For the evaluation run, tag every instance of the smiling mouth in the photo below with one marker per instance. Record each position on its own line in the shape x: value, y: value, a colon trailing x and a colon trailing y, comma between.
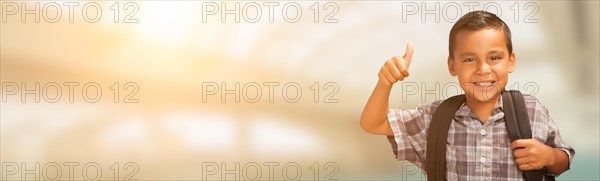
x: 484, y: 83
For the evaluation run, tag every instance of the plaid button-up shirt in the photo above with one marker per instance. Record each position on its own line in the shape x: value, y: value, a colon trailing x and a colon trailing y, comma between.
x: 475, y: 150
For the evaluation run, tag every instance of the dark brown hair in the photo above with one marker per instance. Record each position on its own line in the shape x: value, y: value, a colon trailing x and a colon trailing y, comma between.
x: 478, y: 20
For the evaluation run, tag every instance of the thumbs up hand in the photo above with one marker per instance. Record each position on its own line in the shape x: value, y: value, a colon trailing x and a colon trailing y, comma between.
x: 396, y: 68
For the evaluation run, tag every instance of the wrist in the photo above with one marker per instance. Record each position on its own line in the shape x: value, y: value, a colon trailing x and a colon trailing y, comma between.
x: 552, y: 158
x: 383, y: 83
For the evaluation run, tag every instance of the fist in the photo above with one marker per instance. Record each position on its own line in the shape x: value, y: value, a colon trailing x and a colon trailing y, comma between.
x: 396, y: 68
x: 530, y: 154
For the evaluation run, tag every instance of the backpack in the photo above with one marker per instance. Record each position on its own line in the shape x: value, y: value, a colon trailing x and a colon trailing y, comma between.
x: 515, y: 118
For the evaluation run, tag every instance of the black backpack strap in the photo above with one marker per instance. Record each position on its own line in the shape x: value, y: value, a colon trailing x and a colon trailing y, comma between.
x: 517, y: 125
x: 437, y: 136
x: 510, y: 116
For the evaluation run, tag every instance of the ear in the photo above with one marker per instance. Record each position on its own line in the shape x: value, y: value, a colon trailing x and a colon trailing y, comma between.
x: 512, y: 62
x: 451, y: 66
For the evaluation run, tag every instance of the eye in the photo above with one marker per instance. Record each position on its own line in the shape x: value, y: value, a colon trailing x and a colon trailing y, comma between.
x: 496, y: 58
x: 469, y: 60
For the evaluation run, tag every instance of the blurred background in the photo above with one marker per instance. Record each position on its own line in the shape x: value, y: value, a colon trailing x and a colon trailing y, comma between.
x: 147, y: 89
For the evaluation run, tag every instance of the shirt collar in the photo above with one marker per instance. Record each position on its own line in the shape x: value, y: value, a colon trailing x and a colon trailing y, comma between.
x: 465, y: 110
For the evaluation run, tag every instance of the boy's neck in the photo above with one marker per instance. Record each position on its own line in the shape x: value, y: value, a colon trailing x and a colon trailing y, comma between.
x: 483, y: 109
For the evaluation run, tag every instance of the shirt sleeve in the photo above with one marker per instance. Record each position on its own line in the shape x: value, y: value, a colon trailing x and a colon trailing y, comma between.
x: 546, y: 131
x: 555, y: 140
x: 409, y: 141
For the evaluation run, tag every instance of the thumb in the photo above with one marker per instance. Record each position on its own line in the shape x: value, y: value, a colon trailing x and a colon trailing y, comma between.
x: 409, y: 53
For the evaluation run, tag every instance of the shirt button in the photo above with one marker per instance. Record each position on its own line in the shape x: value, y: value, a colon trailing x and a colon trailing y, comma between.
x: 482, y: 159
x: 482, y: 132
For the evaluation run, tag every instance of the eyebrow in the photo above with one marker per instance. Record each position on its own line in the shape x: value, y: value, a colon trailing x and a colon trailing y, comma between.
x: 498, y: 51
x: 466, y: 54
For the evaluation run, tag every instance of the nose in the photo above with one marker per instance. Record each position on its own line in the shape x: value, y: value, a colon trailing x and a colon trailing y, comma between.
x: 483, y: 68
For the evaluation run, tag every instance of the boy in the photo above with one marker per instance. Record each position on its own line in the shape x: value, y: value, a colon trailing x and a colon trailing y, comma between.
x: 478, y: 146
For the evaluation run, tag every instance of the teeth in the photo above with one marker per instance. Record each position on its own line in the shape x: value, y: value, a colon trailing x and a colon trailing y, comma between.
x: 483, y: 83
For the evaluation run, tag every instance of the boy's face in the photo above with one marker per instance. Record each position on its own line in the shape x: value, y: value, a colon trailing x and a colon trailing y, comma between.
x: 482, y: 63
